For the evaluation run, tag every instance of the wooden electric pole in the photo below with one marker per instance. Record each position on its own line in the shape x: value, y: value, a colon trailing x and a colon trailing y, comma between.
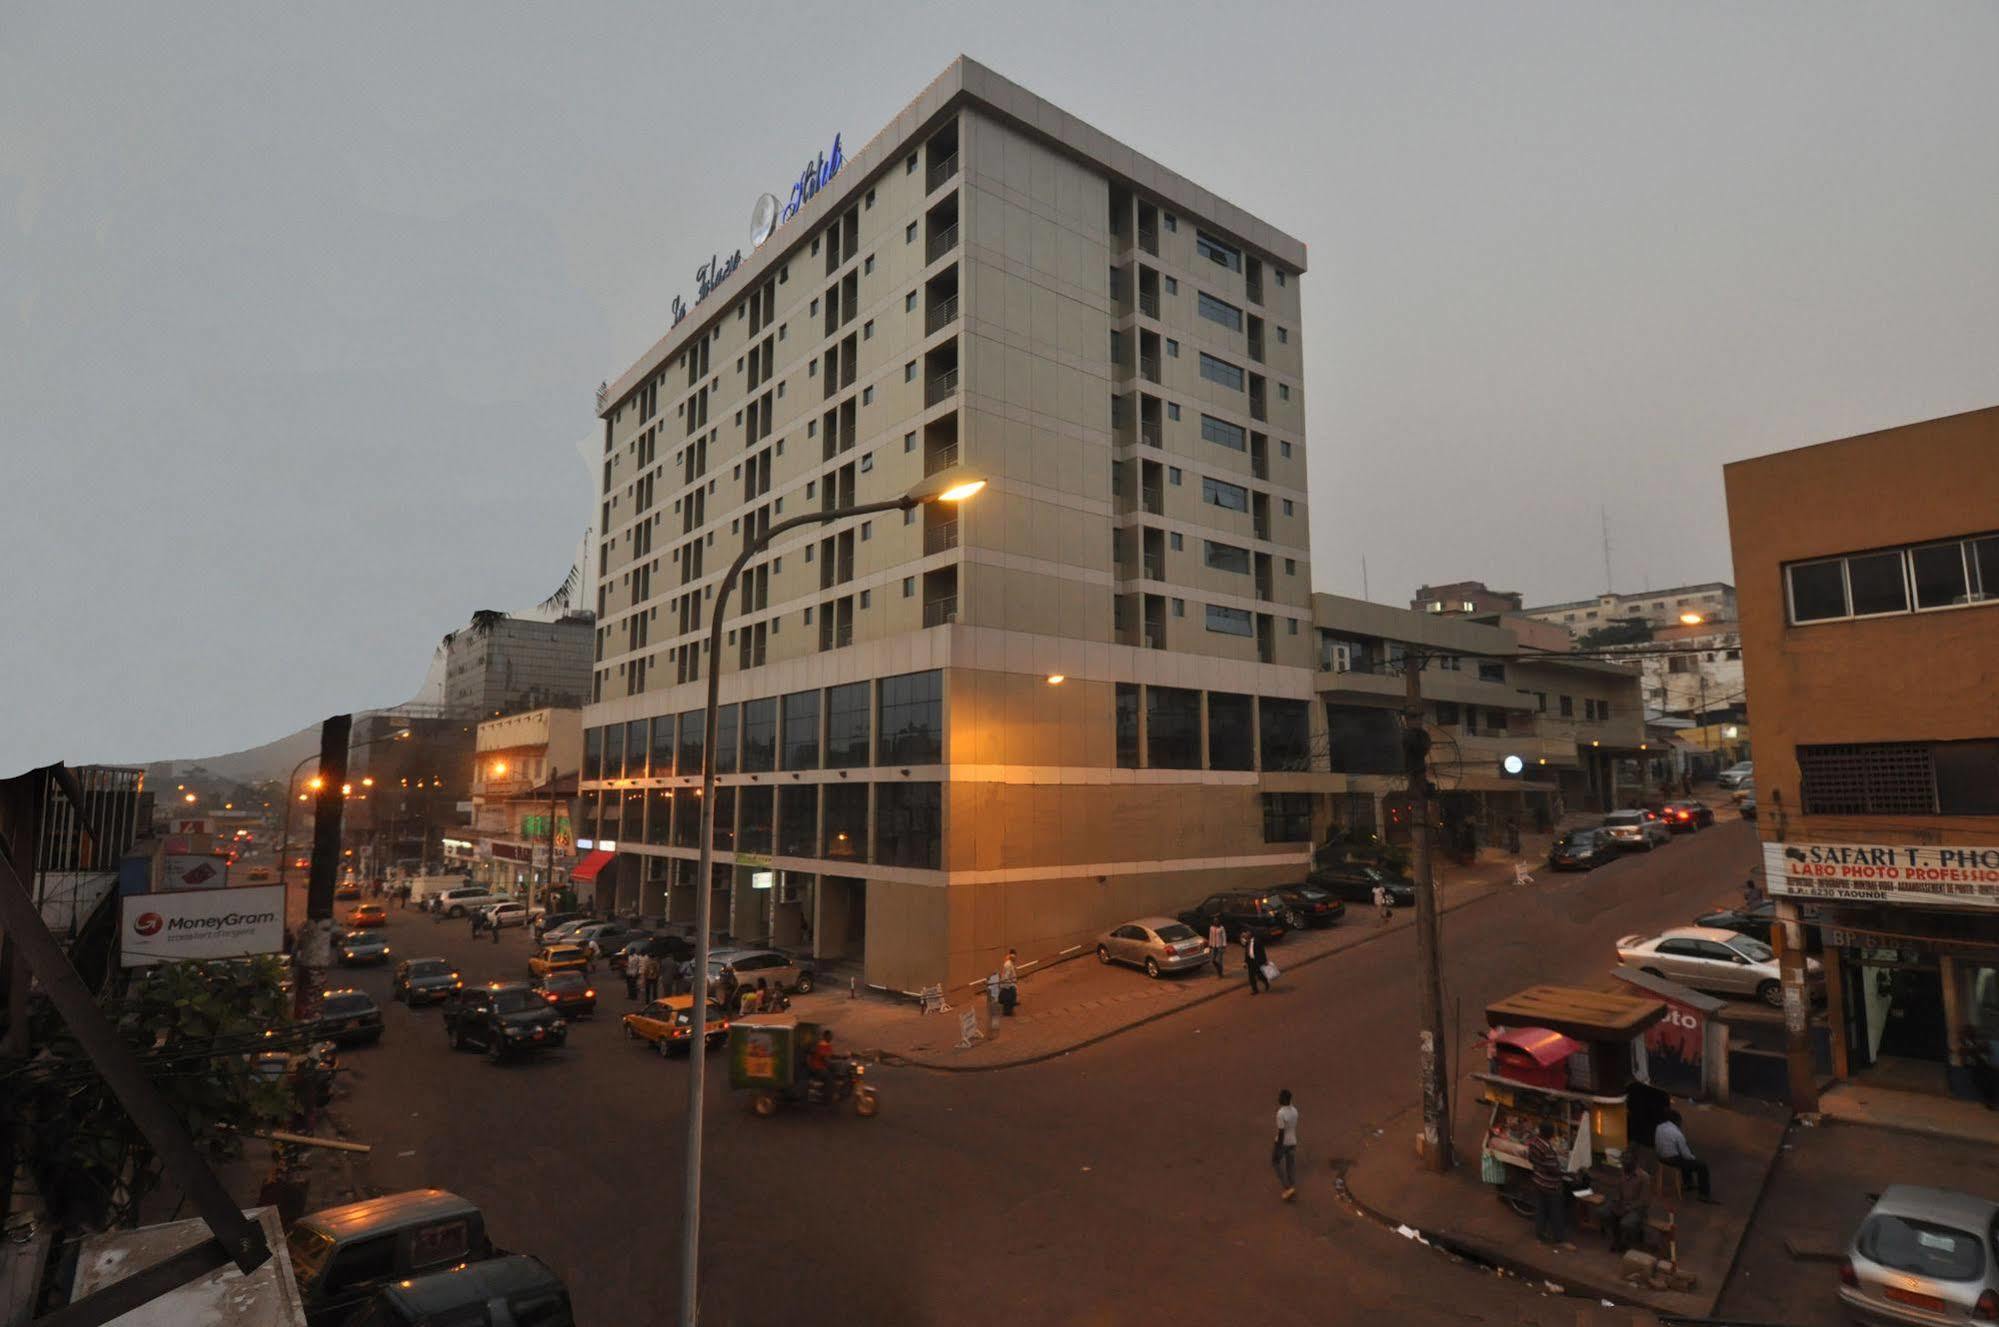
x: 1434, y: 1144
x: 313, y: 950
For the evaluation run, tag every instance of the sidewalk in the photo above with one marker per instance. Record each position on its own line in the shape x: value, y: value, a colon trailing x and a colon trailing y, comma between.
x: 1074, y: 1003
x: 1910, y: 1112
x: 1466, y: 1215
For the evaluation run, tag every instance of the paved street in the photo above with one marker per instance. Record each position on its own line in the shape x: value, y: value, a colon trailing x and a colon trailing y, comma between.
x: 1127, y: 1182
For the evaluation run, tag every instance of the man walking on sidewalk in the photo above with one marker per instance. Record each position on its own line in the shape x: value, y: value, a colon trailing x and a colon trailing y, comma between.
x: 1384, y: 906
x: 1218, y: 941
x: 1284, y: 1151
x: 632, y: 977
x: 1551, y: 1194
x: 1252, y: 959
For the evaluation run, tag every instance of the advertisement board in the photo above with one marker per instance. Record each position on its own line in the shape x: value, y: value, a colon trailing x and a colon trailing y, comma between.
x: 201, y: 924
x: 1922, y: 876
x: 180, y: 871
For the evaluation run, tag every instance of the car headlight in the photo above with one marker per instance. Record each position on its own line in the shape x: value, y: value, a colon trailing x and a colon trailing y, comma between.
x: 560, y: 1024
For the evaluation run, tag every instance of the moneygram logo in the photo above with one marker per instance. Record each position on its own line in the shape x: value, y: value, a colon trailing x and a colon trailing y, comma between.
x: 148, y: 923
x: 228, y: 921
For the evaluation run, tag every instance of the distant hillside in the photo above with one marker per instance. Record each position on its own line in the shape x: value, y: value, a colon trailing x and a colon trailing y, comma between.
x: 272, y: 760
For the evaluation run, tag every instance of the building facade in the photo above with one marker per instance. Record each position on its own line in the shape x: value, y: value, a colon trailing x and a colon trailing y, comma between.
x: 501, y: 664
x: 1464, y: 599
x: 989, y: 288
x: 1869, y: 578
x: 1653, y: 608
x: 525, y: 769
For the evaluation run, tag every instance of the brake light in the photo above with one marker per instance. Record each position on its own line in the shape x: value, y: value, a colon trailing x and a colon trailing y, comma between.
x: 590, y: 994
x: 1847, y: 1276
x: 1987, y: 1307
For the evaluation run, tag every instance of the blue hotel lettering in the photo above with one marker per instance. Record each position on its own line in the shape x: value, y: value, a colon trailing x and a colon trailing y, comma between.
x: 816, y: 176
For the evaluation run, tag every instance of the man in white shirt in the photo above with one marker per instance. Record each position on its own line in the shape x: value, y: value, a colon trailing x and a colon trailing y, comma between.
x: 1284, y: 1151
x: 1218, y: 942
x: 1670, y: 1142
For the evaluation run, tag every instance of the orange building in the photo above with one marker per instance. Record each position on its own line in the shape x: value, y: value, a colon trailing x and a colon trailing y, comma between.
x: 1868, y: 578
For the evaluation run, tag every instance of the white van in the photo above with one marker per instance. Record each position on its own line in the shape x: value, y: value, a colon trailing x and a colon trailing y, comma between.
x: 425, y: 889
x: 465, y: 898
x: 510, y: 913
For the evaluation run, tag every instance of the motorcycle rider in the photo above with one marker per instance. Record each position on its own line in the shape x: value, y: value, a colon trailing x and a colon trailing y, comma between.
x: 819, y: 1061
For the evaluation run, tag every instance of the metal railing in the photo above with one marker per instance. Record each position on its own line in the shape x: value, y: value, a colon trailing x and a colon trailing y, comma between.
x: 940, y: 612
x: 1256, y: 348
x: 941, y: 536
x: 943, y: 313
x: 943, y: 241
x: 1148, y: 239
x: 1149, y: 434
x: 943, y: 170
x: 1148, y: 367
x: 940, y: 458
x: 941, y: 386
x: 1148, y: 304
x: 1259, y: 408
x: 1153, y: 500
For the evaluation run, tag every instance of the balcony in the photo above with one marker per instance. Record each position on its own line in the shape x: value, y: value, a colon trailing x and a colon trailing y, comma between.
x: 943, y: 170
x: 940, y: 387
x: 943, y: 241
x: 940, y: 537
x: 940, y: 612
x: 1148, y: 433
x: 1152, y: 498
x: 1155, y: 636
x: 1155, y: 567
x: 1256, y: 348
x: 940, y: 458
x: 1148, y: 239
x: 1259, y: 408
x: 1148, y: 303
x: 942, y: 314
x: 1148, y: 367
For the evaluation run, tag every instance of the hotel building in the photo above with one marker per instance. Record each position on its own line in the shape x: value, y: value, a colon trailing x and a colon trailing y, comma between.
x: 988, y: 288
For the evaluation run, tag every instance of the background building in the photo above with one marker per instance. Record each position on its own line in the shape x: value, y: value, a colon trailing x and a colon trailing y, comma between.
x: 513, y: 798
x: 1652, y: 608
x: 501, y: 664
x: 989, y: 285
x: 1869, y: 573
x: 1464, y: 599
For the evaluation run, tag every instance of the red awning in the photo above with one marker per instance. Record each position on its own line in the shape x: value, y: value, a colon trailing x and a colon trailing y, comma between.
x: 585, y: 871
x: 1543, y: 1045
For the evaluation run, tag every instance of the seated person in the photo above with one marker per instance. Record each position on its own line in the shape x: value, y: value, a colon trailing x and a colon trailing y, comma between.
x: 1627, y: 1199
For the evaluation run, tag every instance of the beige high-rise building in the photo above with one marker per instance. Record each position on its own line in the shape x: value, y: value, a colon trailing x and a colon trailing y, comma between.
x: 989, y: 288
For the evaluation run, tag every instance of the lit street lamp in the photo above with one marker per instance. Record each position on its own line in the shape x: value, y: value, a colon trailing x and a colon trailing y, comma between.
x: 943, y: 489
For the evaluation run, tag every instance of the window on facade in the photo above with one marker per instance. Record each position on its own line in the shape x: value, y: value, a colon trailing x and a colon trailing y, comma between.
x: 1219, y: 311
x: 801, y: 730
x: 662, y: 746
x: 1232, y: 496
x: 798, y: 820
x: 1283, y: 730
x: 910, y: 719
x: 754, y: 818
x: 1126, y: 725
x: 1900, y: 778
x: 1491, y: 672
x: 1173, y: 410
x: 726, y: 722
x: 593, y: 753
x: 1173, y: 541
x: 1287, y: 817
x: 1172, y: 728
x: 759, y: 735
x: 614, y: 751
x: 909, y: 824
x: 1231, y: 436
x: 1218, y: 252
x: 1221, y: 371
x: 1938, y: 575
x: 847, y: 728
x: 1225, y: 557
x: 843, y: 832
x: 1568, y: 707
x: 1172, y: 286
x: 1447, y: 714
x: 1231, y: 731
x: 693, y: 730
x: 1230, y: 621
x: 1173, y: 475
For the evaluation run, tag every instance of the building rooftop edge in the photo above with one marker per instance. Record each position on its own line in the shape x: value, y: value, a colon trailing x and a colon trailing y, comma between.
x: 1855, y: 438
x: 1626, y: 594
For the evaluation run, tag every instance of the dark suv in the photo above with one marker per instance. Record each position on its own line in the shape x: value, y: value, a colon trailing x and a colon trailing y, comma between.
x: 1256, y: 910
x: 503, y: 1018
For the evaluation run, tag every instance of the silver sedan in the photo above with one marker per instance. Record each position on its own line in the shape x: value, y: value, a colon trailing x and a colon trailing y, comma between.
x: 1156, y: 944
x: 1922, y: 1255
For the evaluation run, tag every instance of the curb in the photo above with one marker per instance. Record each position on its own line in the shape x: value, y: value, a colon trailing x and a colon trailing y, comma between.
x: 1040, y: 1057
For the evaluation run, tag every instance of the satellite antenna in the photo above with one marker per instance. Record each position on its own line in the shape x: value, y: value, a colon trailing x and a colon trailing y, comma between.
x: 763, y: 220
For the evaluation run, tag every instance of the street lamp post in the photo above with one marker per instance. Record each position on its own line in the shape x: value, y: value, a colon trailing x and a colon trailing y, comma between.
x: 285, y: 840
x: 943, y: 490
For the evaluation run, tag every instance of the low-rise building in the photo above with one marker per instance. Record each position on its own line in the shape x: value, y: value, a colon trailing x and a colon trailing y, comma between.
x: 1464, y: 599
x: 1869, y: 576
x: 1653, y: 608
x: 525, y: 771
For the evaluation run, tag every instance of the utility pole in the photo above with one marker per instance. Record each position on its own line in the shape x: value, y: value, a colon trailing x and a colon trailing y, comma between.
x: 1434, y: 1144
x: 548, y: 881
x: 313, y: 951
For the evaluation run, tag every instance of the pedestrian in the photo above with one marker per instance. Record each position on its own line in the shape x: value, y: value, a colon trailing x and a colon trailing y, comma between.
x: 493, y: 925
x: 1629, y: 1198
x: 478, y: 923
x: 1218, y: 942
x: 1253, y: 959
x: 1009, y: 976
x: 1384, y: 906
x: 1751, y: 892
x: 631, y: 977
x: 1284, y: 1151
x: 1976, y: 1056
x: 649, y: 975
x: 1551, y: 1188
x: 752, y: 999
x: 1669, y: 1140
x: 1513, y: 838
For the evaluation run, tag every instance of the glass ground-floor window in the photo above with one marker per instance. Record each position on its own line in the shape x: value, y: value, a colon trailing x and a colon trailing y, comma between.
x: 909, y: 824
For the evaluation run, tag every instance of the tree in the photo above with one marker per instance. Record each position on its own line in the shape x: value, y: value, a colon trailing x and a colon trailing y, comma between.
x: 1631, y: 631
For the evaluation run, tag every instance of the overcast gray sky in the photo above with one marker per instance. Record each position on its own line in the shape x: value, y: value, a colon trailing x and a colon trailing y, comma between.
x: 302, y: 307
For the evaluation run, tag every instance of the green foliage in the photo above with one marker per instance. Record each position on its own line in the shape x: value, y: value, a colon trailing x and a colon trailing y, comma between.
x: 1631, y: 631
x: 196, y: 1028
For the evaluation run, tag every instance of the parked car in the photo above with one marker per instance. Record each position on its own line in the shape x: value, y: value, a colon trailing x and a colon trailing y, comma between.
x: 568, y: 993
x: 1311, y: 905
x: 341, y: 1256
x: 512, y: 1291
x: 1581, y: 850
x: 1256, y: 910
x: 367, y: 914
x: 559, y: 958
x: 1355, y: 883
x: 425, y: 980
x: 1922, y: 1256
x: 348, y: 1017
x: 1747, y: 806
x: 609, y: 937
x: 1714, y: 960
x: 1688, y: 816
x: 464, y: 899
x: 1737, y: 775
x: 1157, y: 944
x: 562, y: 930
x: 502, y: 1018
x: 347, y: 891
x: 1753, y: 921
x: 357, y: 948
x: 509, y: 913
x: 781, y: 970
x: 1635, y: 830
x: 552, y: 920
x: 667, y: 1024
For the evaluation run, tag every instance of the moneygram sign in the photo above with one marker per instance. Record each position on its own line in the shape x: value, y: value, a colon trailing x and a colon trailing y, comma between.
x: 1966, y: 877
x: 202, y: 924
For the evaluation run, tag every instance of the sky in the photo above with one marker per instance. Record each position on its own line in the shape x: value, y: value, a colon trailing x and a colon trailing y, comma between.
x: 302, y: 308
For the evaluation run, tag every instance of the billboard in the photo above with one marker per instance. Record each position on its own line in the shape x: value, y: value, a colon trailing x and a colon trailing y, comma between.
x: 193, y: 871
x: 1878, y: 873
x: 201, y: 924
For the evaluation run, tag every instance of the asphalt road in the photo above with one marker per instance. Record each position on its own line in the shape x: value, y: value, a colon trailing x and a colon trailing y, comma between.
x: 1125, y: 1183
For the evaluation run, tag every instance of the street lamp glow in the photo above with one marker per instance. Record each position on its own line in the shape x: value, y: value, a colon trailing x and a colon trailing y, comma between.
x: 367, y: 780
x: 346, y: 790
x: 316, y: 782
x: 189, y: 799
x: 1691, y: 619
x: 499, y: 769
x: 960, y: 492
x: 1057, y: 679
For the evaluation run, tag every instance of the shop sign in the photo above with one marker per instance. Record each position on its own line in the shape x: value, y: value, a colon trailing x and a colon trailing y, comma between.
x: 201, y: 924
x: 193, y: 871
x: 1675, y: 1047
x: 1948, y: 877
x: 754, y: 859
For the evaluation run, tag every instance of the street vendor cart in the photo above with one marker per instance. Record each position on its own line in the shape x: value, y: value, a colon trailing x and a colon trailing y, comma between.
x: 768, y: 1058
x: 1565, y: 1056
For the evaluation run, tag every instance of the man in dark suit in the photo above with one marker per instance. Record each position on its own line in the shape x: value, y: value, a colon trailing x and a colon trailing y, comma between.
x: 1253, y: 959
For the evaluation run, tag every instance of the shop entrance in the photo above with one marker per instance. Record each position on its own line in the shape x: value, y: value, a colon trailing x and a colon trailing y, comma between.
x: 1898, y: 1028
x: 842, y: 931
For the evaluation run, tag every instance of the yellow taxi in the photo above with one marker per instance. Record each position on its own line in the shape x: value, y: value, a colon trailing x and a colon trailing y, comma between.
x: 667, y: 1024
x: 559, y: 958
x: 368, y: 914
